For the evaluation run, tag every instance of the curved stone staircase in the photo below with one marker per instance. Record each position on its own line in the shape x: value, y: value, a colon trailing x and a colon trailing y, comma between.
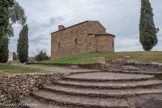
x: 93, y: 90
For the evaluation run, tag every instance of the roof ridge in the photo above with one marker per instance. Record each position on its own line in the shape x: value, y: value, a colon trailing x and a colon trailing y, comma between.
x: 74, y: 25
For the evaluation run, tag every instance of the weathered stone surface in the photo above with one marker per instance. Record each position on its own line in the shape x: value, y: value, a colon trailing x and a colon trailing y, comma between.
x: 101, y: 60
x: 137, y: 72
x: 157, y: 64
x: 136, y: 63
x: 107, y: 76
x: 102, y: 93
x: 3, y: 98
x: 146, y: 101
x: 83, y: 38
x: 94, y: 90
x: 14, y: 86
x: 74, y: 67
x: 109, y: 85
x: 1, y: 92
x: 81, y: 101
x: 131, y: 68
x: 33, y: 103
x: 137, y: 69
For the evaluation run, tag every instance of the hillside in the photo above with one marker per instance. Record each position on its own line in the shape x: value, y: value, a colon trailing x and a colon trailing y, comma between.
x: 91, y: 58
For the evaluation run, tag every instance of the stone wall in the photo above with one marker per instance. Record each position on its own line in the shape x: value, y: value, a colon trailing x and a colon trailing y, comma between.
x: 140, y: 63
x: 105, y: 43
x: 13, y: 87
x: 80, y: 39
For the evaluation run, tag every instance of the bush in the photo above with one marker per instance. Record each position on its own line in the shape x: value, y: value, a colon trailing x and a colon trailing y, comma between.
x: 41, y: 56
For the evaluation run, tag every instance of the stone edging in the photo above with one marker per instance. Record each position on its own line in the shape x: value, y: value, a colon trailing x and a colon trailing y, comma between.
x: 137, y: 63
x: 135, y: 72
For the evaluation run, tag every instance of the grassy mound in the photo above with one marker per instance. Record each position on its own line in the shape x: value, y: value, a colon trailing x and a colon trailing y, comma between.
x: 151, y: 56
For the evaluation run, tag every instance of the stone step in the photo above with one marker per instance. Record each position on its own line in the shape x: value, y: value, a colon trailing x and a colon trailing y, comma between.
x: 102, y: 93
x: 107, y: 76
x: 31, y: 102
x: 77, y: 101
x: 136, y: 72
x: 109, y: 85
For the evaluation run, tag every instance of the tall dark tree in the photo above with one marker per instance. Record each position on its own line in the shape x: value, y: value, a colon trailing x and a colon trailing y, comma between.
x: 148, y: 37
x: 22, y: 47
x: 4, y: 18
x: 10, y: 12
x: 4, y: 51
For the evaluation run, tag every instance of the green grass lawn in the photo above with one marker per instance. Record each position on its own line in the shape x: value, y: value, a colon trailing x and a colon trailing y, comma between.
x: 150, y: 56
x: 10, y: 69
x: 86, y: 58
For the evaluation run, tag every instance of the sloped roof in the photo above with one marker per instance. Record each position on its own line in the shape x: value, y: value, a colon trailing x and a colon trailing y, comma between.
x: 77, y: 25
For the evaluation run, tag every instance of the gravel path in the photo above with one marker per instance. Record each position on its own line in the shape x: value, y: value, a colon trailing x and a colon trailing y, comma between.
x: 56, y: 69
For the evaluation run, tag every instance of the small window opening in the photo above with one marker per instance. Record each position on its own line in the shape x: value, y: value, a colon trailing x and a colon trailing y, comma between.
x: 59, y: 45
x: 76, y: 41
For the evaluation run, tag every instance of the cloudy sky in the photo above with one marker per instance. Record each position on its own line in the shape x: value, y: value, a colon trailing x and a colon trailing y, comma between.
x: 120, y: 17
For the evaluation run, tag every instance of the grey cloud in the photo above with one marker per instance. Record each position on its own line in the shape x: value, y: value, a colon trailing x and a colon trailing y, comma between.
x: 38, y: 39
x: 39, y: 34
x: 36, y: 28
x: 120, y: 17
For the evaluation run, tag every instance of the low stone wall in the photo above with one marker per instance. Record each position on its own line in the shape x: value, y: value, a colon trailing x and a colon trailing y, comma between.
x: 13, y: 87
x: 81, y: 65
x: 139, y: 63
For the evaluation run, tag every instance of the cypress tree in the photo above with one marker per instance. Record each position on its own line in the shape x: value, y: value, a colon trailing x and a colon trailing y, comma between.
x: 148, y: 37
x: 9, y: 11
x: 22, y: 47
x: 4, y: 19
x: 4, y: 51
x: 4, y: 24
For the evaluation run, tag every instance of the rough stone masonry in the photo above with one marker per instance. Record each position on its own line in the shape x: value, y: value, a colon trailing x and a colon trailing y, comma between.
x: 83, y: 38
x: 15, y: 86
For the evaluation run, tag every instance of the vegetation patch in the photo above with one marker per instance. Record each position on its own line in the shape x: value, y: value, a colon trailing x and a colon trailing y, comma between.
x: 10, y: 69
x: 109, y: 67
x: 40, y: 86
x: 158, y: 77
x: 146, y: 56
